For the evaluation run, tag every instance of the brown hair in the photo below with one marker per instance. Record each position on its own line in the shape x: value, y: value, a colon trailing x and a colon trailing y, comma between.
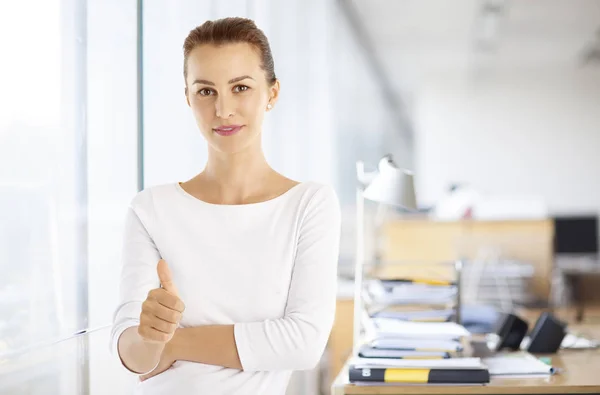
x: 229, y: 31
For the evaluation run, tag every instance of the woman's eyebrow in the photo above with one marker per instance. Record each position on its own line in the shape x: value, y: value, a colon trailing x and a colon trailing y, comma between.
x: 238, y: 79
x: 231, y: 81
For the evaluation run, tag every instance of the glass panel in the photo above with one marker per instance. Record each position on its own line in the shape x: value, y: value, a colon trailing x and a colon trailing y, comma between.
x: 47, y: 369
x: 41, y: 209
x: 68, y: 117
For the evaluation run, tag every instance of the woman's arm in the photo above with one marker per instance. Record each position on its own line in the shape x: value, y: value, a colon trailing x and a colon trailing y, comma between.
x: 138, y: 277
x: 297, y: 340
x: 136, y: 354
x: 209, y: 344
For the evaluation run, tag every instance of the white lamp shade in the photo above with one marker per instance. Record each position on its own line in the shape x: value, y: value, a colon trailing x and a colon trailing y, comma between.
x: 393, y: 186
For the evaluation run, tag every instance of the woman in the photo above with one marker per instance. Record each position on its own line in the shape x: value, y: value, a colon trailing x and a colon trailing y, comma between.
x: 228, y: 280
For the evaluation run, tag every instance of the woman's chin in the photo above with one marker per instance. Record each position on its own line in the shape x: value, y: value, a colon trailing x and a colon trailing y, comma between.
x: 233, y: 144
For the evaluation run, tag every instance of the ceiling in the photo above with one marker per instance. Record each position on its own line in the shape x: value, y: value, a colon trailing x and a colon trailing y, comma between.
x: 412, y: 37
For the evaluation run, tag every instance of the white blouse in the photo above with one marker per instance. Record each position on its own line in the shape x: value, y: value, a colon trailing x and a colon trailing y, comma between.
x: 268, y: 268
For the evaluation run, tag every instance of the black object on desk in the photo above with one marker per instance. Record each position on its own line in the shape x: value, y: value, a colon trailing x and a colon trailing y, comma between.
x: 547, y: 335
x: 511, y: 331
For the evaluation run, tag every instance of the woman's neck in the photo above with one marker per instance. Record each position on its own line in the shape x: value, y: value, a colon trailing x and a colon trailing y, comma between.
x: 236, y: 178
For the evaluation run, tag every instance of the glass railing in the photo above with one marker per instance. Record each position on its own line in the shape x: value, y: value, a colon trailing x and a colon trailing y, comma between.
x: 79, y: 364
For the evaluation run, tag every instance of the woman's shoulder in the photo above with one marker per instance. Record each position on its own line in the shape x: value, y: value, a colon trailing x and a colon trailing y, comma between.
x: 319, y: 188
x: 317, y: 194
x: 147, y: 197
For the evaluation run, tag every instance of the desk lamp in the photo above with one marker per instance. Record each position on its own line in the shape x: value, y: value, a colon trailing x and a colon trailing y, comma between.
x: 389, y: 185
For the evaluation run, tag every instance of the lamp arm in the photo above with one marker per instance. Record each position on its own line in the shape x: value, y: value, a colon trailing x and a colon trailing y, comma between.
x: 364, y: 177
x: 358, y: 270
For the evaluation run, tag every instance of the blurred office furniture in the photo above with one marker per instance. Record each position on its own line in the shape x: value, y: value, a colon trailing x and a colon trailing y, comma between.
x: 494, y: 280
x: 578, y: 374
x: 576, y: 274
x: 576, y: 235
x: 577, y: 260
x: 524, y: 246
x: 525, y: 241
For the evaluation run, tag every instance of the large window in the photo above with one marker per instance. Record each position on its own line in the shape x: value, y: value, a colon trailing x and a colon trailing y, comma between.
x: 68, y: 168
x: 43, y: 194
x: 42, y: 174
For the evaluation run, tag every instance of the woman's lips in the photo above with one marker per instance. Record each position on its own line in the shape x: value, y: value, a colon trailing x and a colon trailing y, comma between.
x: 228, y: 130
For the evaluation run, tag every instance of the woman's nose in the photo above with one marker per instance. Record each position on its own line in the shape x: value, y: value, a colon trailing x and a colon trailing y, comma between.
x: 224, y: 107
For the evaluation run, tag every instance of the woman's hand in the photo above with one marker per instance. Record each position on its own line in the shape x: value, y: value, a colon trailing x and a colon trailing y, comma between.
x: 162, y: 310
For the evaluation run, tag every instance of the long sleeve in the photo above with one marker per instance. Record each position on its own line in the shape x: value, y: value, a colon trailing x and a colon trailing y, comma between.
x: 138, y: 275
x: 297, y: 340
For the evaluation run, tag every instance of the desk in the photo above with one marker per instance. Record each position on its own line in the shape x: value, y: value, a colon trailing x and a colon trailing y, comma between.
x: 580, y: 374
x: 576, y: 273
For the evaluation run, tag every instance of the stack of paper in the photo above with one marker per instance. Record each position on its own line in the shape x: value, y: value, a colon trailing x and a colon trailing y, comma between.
x: 392, y: 343
x: 441, y: 371
x: 397, y: 339
x: 367, y: 351
x: 418, y: 315
x: 517, y: 365
x: 452, y: 363
x: 409, y: 346
x: 387, y: 327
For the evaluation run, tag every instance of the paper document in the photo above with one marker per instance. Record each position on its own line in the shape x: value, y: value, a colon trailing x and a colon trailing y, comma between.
x: 370, y: 352
x: 451, y: 363
x: 572, y: 341
x: 518, y: 364
x: 387, y: 327
x: 424, y: 315
x: 411, y: 293
x: 417, y: 344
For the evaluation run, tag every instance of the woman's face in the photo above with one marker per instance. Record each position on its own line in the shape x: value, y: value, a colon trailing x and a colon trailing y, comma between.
x: 228, y: 93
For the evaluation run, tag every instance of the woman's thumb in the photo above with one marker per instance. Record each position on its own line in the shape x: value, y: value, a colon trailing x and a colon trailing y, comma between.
x: 166, y: 277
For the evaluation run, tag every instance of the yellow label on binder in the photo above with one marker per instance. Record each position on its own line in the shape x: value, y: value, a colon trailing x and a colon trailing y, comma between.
x: 431, y: 282
x: 406, y: 375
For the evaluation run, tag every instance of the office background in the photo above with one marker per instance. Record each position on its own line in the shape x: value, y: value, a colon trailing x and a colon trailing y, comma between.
x: 500, y: 96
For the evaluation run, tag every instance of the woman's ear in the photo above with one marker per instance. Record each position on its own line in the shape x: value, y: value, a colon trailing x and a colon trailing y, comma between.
x: 273, y: 94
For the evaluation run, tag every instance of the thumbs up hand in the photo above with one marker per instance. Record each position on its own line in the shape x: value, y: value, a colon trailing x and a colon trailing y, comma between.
x: 162, y: 310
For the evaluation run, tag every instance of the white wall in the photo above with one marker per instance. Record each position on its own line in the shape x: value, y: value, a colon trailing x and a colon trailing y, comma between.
x: 112, y: 173
x: 507, y: 132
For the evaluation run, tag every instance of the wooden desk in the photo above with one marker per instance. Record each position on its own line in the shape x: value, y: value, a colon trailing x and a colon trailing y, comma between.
x: 580, y: 373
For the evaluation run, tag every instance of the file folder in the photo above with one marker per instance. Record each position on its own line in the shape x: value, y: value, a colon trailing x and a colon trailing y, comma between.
x: 419, y: 376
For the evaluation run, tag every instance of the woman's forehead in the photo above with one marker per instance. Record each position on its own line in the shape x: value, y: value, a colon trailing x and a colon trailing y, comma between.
x: 224, y: 62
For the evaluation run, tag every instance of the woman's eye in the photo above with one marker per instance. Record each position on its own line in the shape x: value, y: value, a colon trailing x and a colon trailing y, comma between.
x: 205, y: 92
x: 240, y: 88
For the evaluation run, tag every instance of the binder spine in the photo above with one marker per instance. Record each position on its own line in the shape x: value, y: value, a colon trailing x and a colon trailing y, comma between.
x: 366, y: 374
x: 424, y: 376
x: 458, y: 376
